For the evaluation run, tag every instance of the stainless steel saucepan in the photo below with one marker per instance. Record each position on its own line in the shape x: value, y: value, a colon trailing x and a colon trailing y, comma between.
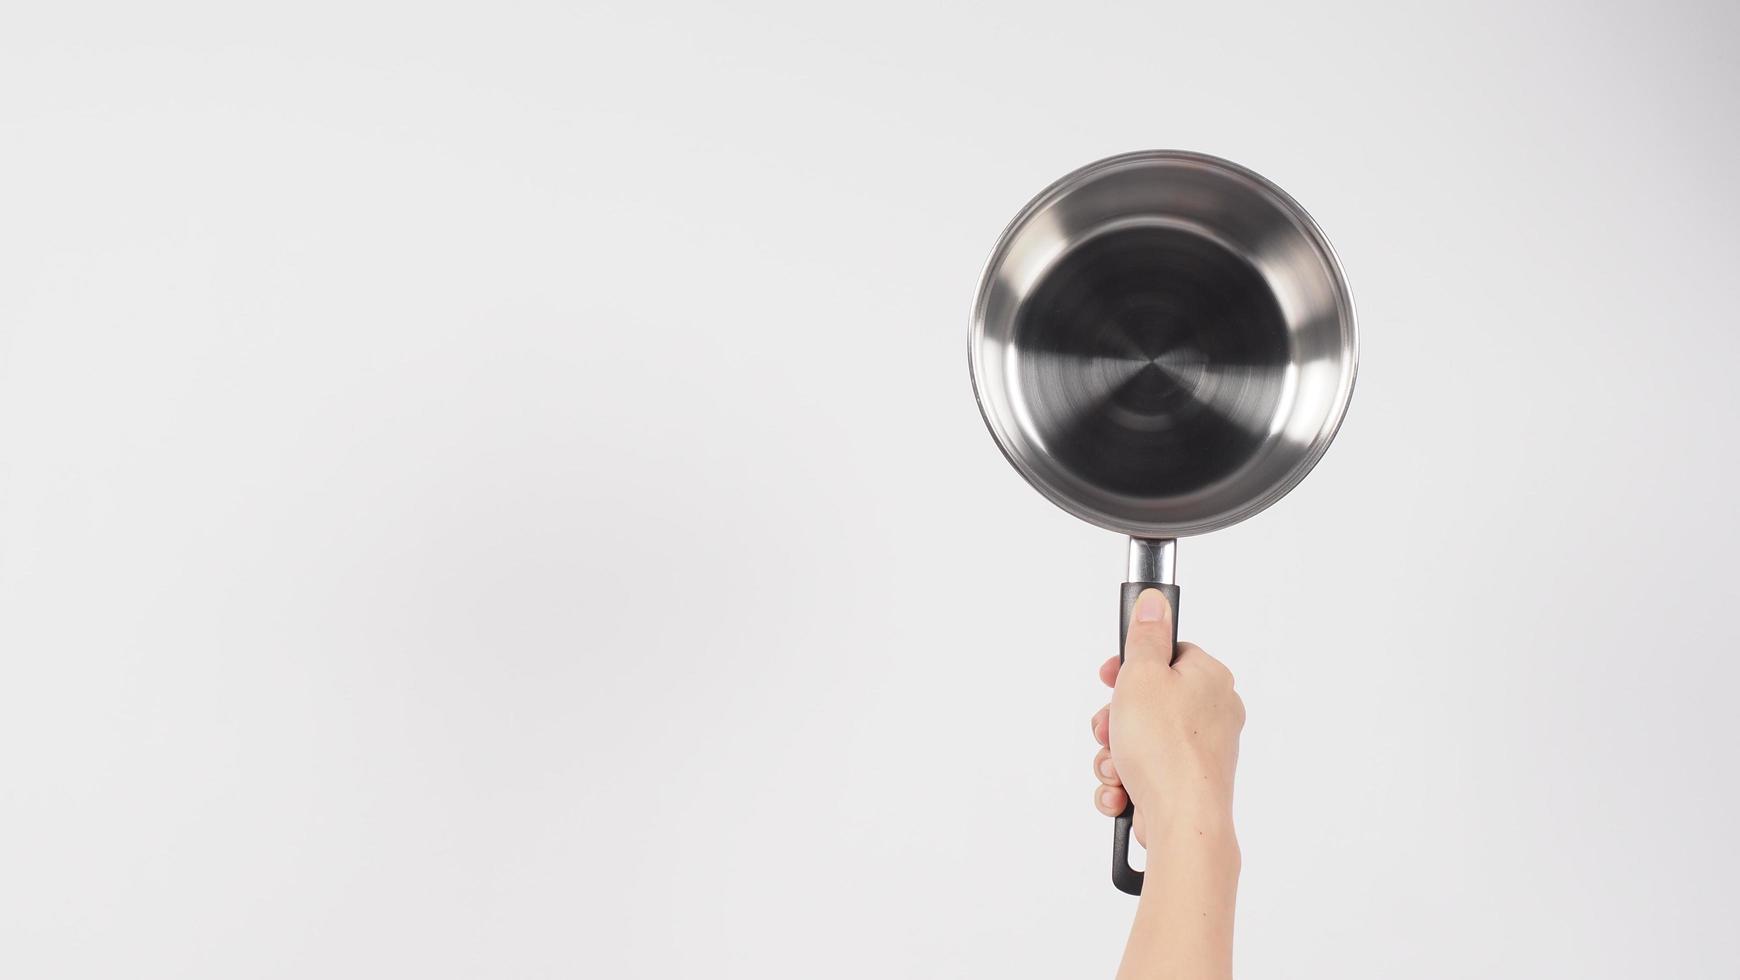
x: 1163, y: 344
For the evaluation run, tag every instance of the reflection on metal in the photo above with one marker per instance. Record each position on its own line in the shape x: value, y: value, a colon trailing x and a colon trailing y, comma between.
x: 1163, y: 343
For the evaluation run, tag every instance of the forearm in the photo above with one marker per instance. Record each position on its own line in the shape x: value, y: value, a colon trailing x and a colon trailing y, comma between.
x: 1184, y: 919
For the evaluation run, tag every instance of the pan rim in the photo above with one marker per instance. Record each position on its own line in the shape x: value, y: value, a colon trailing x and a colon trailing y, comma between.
x: 1346, y: 313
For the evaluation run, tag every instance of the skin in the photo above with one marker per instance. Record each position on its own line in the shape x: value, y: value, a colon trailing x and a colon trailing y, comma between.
x: 1170, y: 741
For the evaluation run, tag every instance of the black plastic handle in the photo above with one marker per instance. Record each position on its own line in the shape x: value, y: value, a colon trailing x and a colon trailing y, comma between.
x: 1128, y: 879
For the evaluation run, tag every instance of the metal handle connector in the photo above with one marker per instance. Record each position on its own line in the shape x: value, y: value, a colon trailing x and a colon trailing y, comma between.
x: 1153, y: 560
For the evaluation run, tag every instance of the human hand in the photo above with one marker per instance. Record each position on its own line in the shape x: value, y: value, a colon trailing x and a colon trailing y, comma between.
x: 1170, y: 737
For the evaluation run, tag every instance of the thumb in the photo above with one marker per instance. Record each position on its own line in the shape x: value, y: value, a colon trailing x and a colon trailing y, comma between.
x: 1150, y: 634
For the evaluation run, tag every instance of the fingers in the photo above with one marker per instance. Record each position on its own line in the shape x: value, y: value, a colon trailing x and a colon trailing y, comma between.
x: 1109, y: 672
x: 1110, y: 800
x: 1150, y: 634
x: 1104, y: 770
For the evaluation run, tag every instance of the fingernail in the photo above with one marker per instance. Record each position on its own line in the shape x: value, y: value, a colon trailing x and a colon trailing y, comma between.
x: 1148, y: 606
x: 1106, y: 767
x: 1106, y: 798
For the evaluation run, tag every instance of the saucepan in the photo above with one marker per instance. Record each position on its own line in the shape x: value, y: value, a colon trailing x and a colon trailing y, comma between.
x: 1163, y: 344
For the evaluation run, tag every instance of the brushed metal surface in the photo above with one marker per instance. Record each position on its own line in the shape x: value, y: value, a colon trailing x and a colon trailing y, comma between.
x: 1153, y: 560
x: 1163, y: 343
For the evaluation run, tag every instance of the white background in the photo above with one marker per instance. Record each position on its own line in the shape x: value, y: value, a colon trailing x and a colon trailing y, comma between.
x: 494, y: 490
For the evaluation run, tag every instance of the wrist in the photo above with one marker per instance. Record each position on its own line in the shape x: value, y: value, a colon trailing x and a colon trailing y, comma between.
x: 1207, y: 826
x: 1202, y: 839
x: 1192, y: 809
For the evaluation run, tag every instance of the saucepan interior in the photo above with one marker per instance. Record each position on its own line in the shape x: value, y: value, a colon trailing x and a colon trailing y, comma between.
x: 1163, y: 343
